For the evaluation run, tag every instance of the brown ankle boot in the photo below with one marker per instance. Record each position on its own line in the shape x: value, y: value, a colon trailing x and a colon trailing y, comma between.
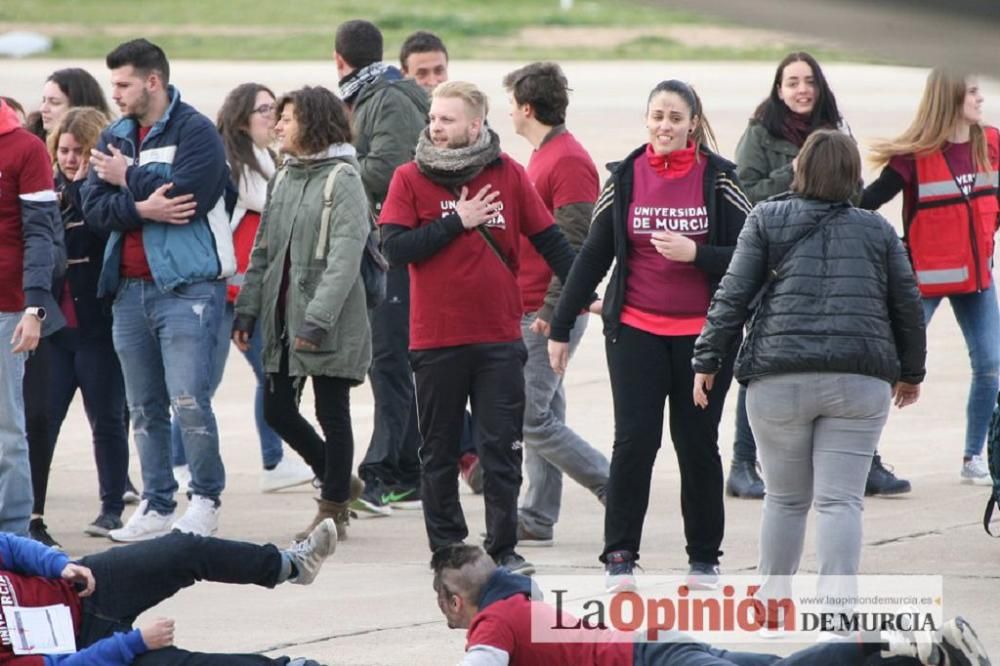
x: 357, y: 487
x: 339, y: 511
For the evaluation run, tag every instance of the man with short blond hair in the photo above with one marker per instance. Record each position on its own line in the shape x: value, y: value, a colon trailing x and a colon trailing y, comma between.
x: 455, y: 215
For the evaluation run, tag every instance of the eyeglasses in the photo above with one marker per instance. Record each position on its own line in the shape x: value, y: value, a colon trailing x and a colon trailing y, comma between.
x: 264, y: 109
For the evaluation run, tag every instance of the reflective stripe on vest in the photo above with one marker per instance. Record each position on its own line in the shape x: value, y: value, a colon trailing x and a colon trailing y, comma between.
x: 957, y: 217
x: 943, y: 276
x: 949, y: 188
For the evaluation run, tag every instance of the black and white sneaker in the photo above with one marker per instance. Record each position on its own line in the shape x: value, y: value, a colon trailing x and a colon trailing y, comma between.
x: 103, y: 524
x: 516, y: 564
x: 961, y: 644
x: 39, y: 532
x: 703, y: 576
x: 619, y: 572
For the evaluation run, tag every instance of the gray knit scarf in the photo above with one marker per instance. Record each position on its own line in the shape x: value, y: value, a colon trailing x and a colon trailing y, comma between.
x: 454, y: 167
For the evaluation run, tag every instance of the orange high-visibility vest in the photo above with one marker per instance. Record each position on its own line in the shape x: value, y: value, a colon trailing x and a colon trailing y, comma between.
x: 950, y: 237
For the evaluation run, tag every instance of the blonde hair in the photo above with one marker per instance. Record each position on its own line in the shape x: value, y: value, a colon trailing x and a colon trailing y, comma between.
x: 940, y: 111
x: 475, y: 99
x: 84, y: 123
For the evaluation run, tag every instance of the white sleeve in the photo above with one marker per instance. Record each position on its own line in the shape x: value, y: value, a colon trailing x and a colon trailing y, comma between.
x: 485, y: 655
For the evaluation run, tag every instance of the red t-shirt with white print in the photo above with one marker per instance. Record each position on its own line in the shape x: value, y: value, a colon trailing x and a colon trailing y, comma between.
x: 563, y: 174
x: 464, y: 294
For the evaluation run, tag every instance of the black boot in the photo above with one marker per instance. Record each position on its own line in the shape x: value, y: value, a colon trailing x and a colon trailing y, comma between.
x: 744, y: 481
x: 881, y: 480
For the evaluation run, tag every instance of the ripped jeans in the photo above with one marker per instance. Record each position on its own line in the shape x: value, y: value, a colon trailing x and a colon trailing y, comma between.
x: 166, y: 344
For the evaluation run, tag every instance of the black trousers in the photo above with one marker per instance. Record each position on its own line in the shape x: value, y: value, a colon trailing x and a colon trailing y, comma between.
x: 491, y: 377
x: 392, y: 452
x: 647, y: 371
x: 35, y: 389
x: 331, y: 456
x: 90, y: 364
x: 134, y: 578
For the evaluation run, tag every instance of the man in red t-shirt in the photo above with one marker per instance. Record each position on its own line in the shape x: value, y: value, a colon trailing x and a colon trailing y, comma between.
x: 499, y: 608
x: 456, y: 215
x: 566, y: 179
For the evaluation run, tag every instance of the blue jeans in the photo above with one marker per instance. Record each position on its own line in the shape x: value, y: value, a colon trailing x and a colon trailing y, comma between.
x: 166, y: 344
x: 979, y: 318
x: 270, y: 443
x: 833, y: 653
x: 15, y: 471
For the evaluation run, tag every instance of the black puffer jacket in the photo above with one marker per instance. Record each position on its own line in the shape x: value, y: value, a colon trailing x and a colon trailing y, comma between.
x: 846, y: 301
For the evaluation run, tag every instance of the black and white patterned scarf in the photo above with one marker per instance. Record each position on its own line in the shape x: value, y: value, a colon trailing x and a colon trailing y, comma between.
x: 352, y: 84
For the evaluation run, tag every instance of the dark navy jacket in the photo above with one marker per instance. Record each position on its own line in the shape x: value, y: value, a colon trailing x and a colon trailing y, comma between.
x: 182, y: 148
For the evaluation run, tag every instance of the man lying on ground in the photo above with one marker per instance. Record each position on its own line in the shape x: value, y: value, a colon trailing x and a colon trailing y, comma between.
x: 495, y: 606
x: 105, y: 593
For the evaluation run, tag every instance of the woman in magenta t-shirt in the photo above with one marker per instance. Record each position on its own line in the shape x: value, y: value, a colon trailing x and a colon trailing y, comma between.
x: 668, y: 218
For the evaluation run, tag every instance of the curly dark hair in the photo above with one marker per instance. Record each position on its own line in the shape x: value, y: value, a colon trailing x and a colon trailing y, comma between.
x: 322, y: 118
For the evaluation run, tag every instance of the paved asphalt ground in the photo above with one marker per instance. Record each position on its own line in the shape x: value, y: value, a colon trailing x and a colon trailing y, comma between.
x: 373, y: 602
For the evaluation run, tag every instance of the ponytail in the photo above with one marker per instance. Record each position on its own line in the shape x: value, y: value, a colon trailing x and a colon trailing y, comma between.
x: 703, y: 136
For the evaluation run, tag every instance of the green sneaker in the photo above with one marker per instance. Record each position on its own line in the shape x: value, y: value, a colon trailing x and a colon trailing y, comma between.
x: 404, y: 498
x: 370, y: 504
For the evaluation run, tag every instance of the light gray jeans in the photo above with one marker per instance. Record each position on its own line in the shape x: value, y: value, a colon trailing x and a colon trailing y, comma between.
x: 15, y: 471
x: 551, y: 448
x: 816, y: 433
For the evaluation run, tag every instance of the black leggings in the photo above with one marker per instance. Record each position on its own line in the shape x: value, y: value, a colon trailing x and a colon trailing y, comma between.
x: 331, y: 459
x: 646, y: 371
x: 41, y: 445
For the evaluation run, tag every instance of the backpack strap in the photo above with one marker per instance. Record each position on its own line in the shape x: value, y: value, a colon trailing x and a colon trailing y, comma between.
x: 324, y: 224
x: 278, y: 177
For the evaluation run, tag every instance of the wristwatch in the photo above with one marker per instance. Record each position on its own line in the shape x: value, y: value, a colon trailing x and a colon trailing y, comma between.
x: 36, y: 312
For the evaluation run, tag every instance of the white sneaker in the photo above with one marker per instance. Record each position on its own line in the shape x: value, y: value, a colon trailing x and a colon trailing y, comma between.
x: 144, y: 524
x: 182, y: 475
x: 976, y: 471
x: 201, y: 517
x: 309, y: 554
x: 291, y: 471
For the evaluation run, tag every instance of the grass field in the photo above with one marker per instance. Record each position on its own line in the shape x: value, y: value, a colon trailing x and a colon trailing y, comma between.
x: 303, y: 29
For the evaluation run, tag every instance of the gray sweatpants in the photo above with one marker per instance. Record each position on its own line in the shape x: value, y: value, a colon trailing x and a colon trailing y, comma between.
x: 816, y: 433
x: 551, y: 448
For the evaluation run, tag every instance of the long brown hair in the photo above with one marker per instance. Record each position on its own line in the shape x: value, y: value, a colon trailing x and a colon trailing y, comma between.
x: 233, y: 124
x: 939, y: 113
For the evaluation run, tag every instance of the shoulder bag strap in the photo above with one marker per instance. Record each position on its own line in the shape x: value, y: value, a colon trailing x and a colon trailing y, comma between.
x: 324, y: 224
x: 490, y: 240
x: 775, y: 272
